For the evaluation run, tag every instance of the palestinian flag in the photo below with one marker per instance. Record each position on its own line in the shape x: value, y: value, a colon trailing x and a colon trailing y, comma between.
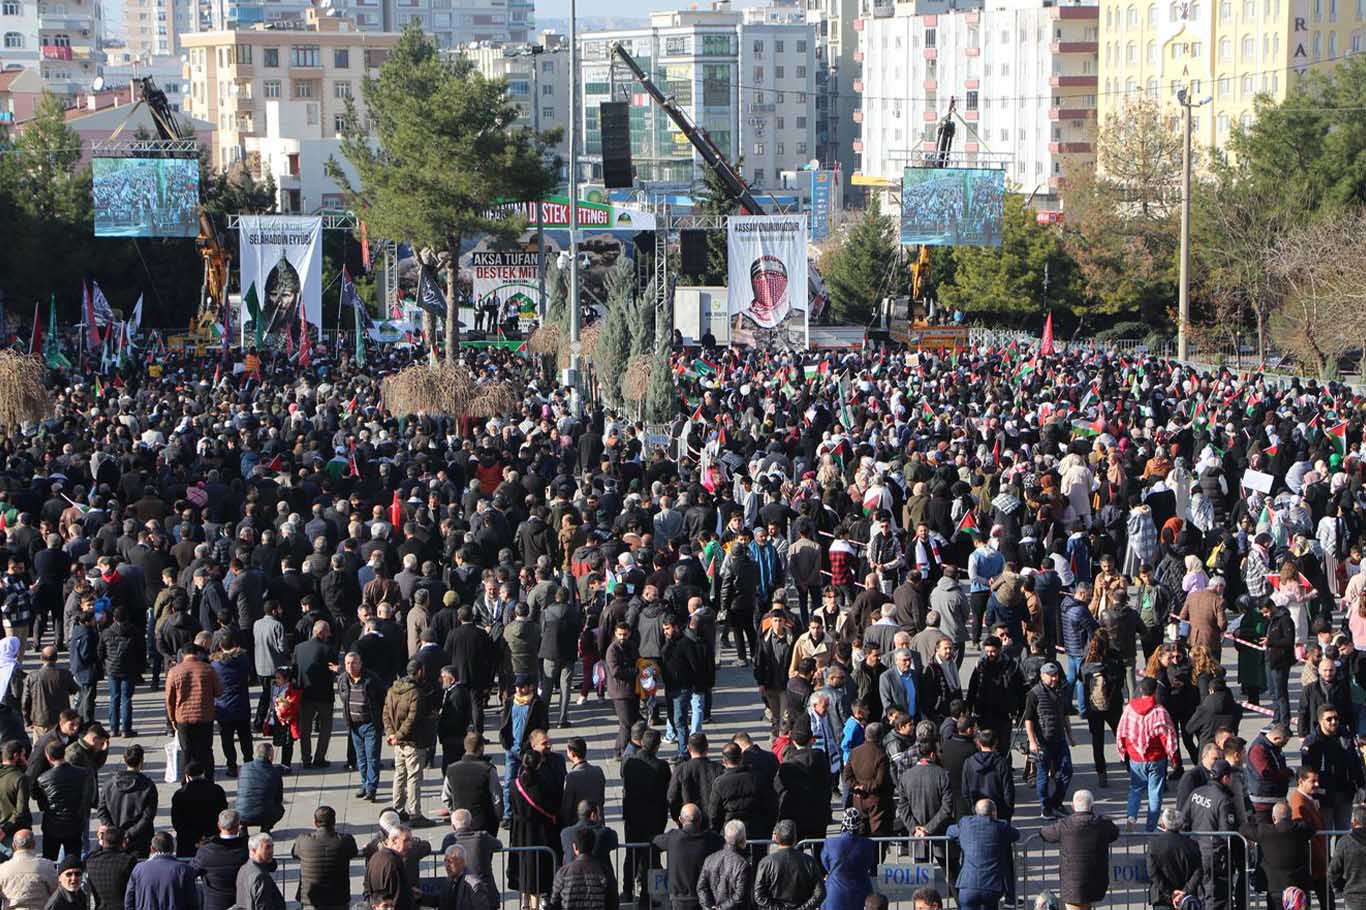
x: 1088, y: 428
x: 1338, y: 436
x: 925, y: 410
x: 1198, y: 414
x: 967, y: 524
x: 1271, y: 450
x: 876, y: 497
x: 703, y: 367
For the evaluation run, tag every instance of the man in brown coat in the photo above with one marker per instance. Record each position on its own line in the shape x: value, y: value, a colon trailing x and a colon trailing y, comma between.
x: 191, y: 687
x: 869, y: 779
x: 1204, y: 610
x: 1304, y: 807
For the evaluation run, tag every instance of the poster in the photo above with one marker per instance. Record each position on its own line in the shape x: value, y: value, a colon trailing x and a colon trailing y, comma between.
x: 282, y: 270
x: 506, y: 277
x: 822, y: 183
x: 952, y: 206
x: 767, y: 280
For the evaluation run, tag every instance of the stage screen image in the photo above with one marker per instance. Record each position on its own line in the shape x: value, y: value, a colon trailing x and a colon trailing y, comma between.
x: 146, y: 197
x: 952, y: 206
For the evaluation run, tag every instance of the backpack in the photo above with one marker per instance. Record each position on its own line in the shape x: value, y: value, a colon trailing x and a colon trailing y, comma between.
x: 1098, y: 693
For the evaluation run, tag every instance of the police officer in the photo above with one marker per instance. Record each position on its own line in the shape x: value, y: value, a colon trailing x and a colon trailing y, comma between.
x: 1211, y: 809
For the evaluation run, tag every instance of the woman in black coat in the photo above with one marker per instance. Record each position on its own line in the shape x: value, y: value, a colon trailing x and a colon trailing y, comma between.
x: 534, y: 803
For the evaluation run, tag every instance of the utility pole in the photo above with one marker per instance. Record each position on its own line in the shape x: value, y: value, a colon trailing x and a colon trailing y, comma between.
x: 1183, y: 303
x: 575, y: 346
x: 535, y: 50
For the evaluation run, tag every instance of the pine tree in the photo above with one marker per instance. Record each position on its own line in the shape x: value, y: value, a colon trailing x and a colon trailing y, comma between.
x: 661, y: 398
x: 613, y: 352
x: 438, y: 150
x: 864, y: 268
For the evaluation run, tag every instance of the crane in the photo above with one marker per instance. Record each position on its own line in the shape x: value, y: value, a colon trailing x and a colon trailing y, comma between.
x: 734, y: 184
x: 943, y: 149
x: 213, y: 293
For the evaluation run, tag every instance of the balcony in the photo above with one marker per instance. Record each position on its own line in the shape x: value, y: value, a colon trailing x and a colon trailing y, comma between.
x: 1082, y: 13
x: 858, y: 25
x: 858, y: 85
x: 64, y: 23
x: 1074, y: 47
x: 53, y: 52
x: 1070, y: 113
x: 858, y: 116
x: 972, y: 52
x: 858, y: 56
x: 1069, y: 148
x: 971, y: 116
x: 858, y: 146
x: 929, y: 116
x: 930, y: 53
x: 929, y: 21
x: 972, y: 83
x: 883, y: 10
x: 930, y: 85
x: 1073, y: 80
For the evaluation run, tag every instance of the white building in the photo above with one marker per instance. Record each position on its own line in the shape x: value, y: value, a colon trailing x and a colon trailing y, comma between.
x: 294, y: 150
x: 451, y: 23
x: 537, y: 78
x: 70, y: 39
x: 123, y: 66
x: 19, y: 29
x: 750, y: 86
x: 1023, y: 73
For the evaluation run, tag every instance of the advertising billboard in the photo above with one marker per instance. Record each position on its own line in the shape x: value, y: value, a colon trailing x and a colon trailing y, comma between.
x: 146, y: 197
x: 952, y: 206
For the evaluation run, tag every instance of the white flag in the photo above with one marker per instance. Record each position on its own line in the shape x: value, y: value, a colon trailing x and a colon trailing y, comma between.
x: 104, y: 313
x: 135, y: 323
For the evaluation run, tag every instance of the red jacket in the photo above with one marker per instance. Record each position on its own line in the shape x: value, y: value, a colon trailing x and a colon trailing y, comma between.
x: 1146, y: 732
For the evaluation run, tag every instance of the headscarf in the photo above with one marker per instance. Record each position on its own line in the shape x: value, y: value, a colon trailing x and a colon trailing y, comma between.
x: 9, y: 662
x: 852, y: 821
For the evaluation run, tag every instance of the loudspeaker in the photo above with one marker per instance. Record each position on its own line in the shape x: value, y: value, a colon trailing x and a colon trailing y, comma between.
x: 692, y: 249
x: 614, y: 118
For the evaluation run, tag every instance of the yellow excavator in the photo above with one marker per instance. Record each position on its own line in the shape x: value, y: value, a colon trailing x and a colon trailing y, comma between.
x: 213, y: 296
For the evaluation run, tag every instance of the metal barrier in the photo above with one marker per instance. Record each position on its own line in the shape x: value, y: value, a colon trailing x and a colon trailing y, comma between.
x: 1038, y: 869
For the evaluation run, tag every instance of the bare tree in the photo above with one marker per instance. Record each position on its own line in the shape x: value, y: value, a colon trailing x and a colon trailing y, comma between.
x: 1323, y: 268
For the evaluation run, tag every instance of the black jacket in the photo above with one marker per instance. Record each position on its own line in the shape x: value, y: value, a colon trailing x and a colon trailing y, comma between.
x: 1085, y: 838
x: 772, y: 661
x: 194, y: 814
x: 788, y: 880
x: 924, y: 798
x: 1347, y: 871
x: 690, y: 783
x: 1315, y: 696
x: 1285, y: 853
x: 324, y: 867
x: 472, y: 654
x: 129, y: 800
x: 63, y: 793
x: 1218, y: 709
x: 987, y: 775
x: 686, y: 850
x: 467, y: 781
x: 1173, y: 865
x: 739, y: 793
x: 217, y: 863
x: 311, y: 671
x: 1338, y: 763
x: 123, y: 651
x: 645, y: 784
x: 1280, y: 640
x: 681, y: 661
x: 803, y: 779
x: 560, y: 624
x: 108, y: 872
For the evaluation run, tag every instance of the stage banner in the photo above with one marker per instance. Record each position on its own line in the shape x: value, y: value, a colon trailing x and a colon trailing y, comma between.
x: 503, y: 276
x: 281, y: 270
x: 767, y: 280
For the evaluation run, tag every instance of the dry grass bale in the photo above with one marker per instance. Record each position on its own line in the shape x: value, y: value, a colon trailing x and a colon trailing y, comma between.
x: 420, y: 389
x: 590, y: 338
x: 26, y: 398
x: 636, y: 380
x: 548, y: 339
x: 494, y: 399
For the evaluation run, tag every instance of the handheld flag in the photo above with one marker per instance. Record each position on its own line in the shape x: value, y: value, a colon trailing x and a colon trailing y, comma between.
x: 258, y: 324
x: 364, y: 247
x: 104, y: 313
x: 396, y: 512
x: 1046, y: 345
x: 967, y: 524
x: 52, y: 348
x: 305, y: 340
x: 429, y: 295
x: 91, y: 336
x: 1338, y: 436
x: 135, y: 321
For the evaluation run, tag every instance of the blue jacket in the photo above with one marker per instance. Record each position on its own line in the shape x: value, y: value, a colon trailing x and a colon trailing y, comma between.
x: 260, y: 793
x: 235, y: 674
x: 85, y: 655
x: 849, y: 862
x: 1077, y: 626
x: 161, y: 882
x: 985, y: 843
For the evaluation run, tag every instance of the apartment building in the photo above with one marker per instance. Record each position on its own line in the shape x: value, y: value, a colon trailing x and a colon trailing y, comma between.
x: 123, y: 66
x: 319, y: 61
x: 750, y: 85
x: 1225, y: 52
x: 537, y: 78
x: 1023, y: 74
x: 19, y: 48
x: 152, y: 28
x: 451, y: 23
x: 71, y: 43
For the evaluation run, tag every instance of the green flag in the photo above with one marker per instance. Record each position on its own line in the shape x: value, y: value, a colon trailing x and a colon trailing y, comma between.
x: 52, y: 348
x: 258, y: 324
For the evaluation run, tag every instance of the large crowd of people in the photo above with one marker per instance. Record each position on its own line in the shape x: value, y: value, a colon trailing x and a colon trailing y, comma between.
x: 934, y: 572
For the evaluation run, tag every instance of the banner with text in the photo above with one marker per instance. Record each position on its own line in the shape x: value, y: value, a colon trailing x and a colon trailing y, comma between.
x: 767, y: 281
x: 282, y: 258
x: 508, y: 278
x: 592, y: 215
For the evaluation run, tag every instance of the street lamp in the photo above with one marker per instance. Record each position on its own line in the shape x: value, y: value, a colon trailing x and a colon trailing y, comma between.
x: 533, y: 51
x: 575, y: 347
x: 1183, y: 303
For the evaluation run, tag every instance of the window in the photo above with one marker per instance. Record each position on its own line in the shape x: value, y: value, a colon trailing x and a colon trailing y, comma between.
x: 13, y: 40
x: 1224, y: 86
x: 1131, y: 17
x: 1225, y: 50
x: 11, y: 8
x: 1225, y: 10
x: 758, y: 148
x: 801, y: 47
x: 759, y: 176
x: 1153, y: 88
x: 972, y: 100
x: 930, y: 37
x: 801, y: 149
x: 1356, y: 42
x: 779, y: 73
x: 1332, y: 45
x: 341, y: 58
x: 547, y: 113
x: 1174, y: 12
x: 777, y: 47
x: 801, y: 72
x: 303, y: 89
x: 311, y: 114
x: 1222, y: 124
x: 270, y: 57
x: 758, y: 46
x: 758, y: 74
x: 1197, y: 48
x: 779, y: 123
x: 243, y: 53
x: 1152, y: 15
x: 781, y: 150
x: 1249, y: 48
x: 1318, y: 45
x: 1131, y: 53
x: 1249, y: 87
x: 339, y: 123
x: 305, y: 55
x: 271, y: 88
x: 341, y: 90
x: 1152, y: 53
